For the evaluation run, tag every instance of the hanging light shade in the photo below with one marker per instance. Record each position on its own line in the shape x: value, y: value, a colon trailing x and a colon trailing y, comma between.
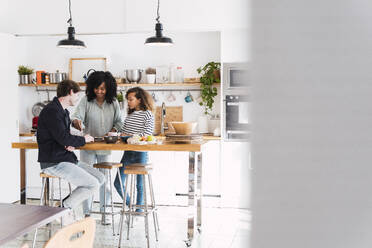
x: 71, y: 42
x: 158, y: 39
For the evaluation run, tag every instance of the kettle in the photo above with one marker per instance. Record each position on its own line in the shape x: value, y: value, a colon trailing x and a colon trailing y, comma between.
x: 87, y: 74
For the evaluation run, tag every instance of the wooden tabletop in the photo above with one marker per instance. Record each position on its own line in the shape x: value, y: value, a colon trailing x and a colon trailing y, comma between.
x: 120, y: 146
x: 205, y: 136
x: 16, y: 220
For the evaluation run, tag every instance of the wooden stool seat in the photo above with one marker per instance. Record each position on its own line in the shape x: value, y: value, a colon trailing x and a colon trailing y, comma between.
x: 135, y: 170
x: 139, y: 165
x: 108, y: 165
x: 44, y: 175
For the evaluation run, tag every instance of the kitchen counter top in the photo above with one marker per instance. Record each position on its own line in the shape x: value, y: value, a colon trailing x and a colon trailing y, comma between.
x: 205, y: 136
x: 120, y: 146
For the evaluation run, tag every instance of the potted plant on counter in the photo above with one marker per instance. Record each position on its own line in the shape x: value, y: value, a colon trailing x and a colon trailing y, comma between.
x: 25, y: 74
x: 210, y: 74
x: 150, y: 74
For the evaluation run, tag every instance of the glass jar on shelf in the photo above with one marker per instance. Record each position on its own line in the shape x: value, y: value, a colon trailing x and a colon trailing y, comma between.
x: 179, y: 75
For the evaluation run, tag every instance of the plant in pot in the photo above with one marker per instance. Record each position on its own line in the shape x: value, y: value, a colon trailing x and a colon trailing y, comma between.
x: 150, y: 74
x: 25, y: 74
x: 210, y: 74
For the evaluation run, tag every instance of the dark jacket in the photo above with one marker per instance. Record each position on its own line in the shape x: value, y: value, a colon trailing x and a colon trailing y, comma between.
x: 53, y: 135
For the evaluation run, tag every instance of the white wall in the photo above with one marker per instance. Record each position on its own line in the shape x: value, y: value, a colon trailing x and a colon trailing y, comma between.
x: 9, y: 177
x: 50, y: 17
x: 312, y: 120
x: 190, y: 51
x: 98, y: 16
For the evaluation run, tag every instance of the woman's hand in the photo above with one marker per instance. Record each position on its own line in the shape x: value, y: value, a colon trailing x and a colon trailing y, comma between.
x: 77, y: 124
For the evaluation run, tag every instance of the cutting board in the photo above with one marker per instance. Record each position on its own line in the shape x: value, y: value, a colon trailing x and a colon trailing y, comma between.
x: 172, y: 113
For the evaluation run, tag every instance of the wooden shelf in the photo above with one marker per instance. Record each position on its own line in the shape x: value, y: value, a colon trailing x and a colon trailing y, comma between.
x: 120, y: 85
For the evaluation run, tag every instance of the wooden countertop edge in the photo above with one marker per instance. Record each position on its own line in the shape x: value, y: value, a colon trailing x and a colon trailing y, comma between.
x: 205, y: 137
x: 122, y: 147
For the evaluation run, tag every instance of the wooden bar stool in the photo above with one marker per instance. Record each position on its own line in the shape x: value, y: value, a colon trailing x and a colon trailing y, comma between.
x: 108, y: 166
x: 131, y: 171
x: 49, y: 198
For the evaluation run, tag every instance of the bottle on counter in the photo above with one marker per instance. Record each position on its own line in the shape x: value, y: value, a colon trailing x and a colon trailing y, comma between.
x: 172, y: 77
x: 179, y: 76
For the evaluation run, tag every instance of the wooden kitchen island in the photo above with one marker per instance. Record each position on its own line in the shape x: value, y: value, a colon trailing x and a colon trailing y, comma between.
x: 194, y: 172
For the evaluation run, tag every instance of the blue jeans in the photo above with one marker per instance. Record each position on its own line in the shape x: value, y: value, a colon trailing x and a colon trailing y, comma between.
x: 90, y: 158
x: 131, y: 157
x: 86, y: 179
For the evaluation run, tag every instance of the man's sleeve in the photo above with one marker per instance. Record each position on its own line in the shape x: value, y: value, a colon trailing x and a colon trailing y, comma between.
x: 55, y: 124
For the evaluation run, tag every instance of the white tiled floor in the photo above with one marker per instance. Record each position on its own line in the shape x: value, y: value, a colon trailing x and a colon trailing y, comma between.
x: 222, y: 228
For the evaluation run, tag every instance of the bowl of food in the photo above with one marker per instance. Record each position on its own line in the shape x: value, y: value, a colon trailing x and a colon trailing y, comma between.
x: 111, y: 139
x: 183, y: 128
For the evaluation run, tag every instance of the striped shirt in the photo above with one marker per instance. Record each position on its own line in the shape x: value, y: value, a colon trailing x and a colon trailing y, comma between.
x: 139, y: 122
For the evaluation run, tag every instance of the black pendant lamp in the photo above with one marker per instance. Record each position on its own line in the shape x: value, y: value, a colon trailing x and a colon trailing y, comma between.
x: 158, y: 39
x: 71, y: 42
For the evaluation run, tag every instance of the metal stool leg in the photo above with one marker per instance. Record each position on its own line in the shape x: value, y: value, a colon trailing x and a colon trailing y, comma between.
x: 43, y: 181
x: 153, y: 201
x: 156, y: 225
x: 146, y: 213
x: 130, y: 203
x: 121, y: 189
x: 104, y: 199
x: 133, y: 198
x: 60, y: 196
x: 123, y: 209
x: 51, y: 203
x: 112, y: 206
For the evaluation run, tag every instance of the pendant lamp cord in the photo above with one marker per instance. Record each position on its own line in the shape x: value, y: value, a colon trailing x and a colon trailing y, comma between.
x: 157, y: 19
x: 69, y: 9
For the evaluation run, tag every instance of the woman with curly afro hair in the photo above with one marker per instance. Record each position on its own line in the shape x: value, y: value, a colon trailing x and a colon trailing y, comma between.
x: 98, y: 113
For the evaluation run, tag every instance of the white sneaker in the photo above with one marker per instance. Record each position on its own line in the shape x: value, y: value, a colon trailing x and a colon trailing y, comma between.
x: 68, y: 218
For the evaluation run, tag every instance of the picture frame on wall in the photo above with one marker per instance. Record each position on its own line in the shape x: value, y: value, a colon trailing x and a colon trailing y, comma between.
x: 79, y: 67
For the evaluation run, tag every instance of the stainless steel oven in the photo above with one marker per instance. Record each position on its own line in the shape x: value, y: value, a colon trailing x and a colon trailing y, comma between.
x: 236, y: 118
x: 236, y: 76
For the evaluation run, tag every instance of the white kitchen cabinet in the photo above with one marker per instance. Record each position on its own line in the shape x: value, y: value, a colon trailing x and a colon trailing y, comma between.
x: 235, y: 45
x: 236, y: 174
x: 9, y: 178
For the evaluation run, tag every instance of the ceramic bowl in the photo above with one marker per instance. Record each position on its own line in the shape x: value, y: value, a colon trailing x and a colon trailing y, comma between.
x: 183, y: 128
x: 111, y: 139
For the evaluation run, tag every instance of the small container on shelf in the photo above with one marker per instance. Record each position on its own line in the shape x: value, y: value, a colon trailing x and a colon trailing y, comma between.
x: 172, y: 69
x: 179, y: 75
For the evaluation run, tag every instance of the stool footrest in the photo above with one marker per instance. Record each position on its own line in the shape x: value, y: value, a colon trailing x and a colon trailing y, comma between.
x: 107, y: 213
